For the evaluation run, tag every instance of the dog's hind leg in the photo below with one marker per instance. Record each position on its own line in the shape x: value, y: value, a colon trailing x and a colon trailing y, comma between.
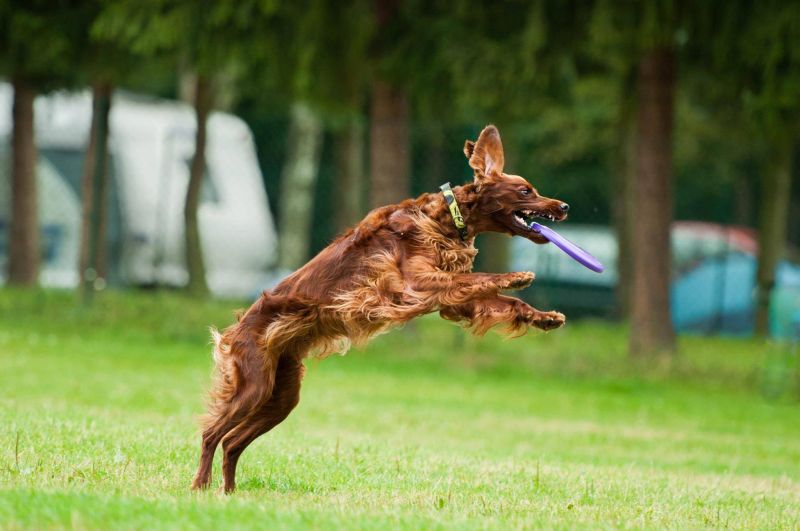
x: 211, y: 438
x: 285, y: 396
x: 219, y: 427
x: 247, y: 357
x: 254, y: 388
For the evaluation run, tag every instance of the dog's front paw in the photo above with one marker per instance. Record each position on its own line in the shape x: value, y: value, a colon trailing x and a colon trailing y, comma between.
x: 548, y: 320
x: 519, y: 280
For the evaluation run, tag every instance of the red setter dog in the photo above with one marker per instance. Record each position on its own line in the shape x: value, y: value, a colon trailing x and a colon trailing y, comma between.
x: 400, y: 262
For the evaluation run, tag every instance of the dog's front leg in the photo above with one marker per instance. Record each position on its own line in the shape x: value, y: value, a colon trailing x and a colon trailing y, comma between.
x: 459, y: 288
x: 482, y: 314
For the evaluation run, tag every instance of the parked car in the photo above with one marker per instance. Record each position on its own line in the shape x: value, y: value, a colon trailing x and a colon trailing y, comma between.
x: 713, y: 284
x: 151, y: 146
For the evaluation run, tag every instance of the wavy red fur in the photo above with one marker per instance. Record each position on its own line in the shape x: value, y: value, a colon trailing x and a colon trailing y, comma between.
x: 401, y: 261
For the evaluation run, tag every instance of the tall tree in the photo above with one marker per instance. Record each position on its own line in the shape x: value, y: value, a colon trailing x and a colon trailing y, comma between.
x: 321, y: 81
x: 148, y: 31
x: 776, y: 184
x: 651, y: 325
x: 207, y: 38
x: 390, y: 156
x: 195, y: 264
x: 641, y: 38
x: 755, y: 61
x: 390, y: 150
x: 33, y: 64
x: 303, y: 75
x: 354, y: 26
x: 24, y: 248
x: 770, y: 53
x: 297, y: 191
x: 350, y: 179
x: 104, y: 64
x: 94, y: 194
x: 204, y: 62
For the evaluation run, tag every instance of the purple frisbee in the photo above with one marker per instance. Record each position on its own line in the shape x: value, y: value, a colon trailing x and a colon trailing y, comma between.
x: 575, y: 252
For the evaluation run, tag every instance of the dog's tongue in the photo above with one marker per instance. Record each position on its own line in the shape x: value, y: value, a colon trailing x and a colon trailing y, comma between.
x: 577, y: 254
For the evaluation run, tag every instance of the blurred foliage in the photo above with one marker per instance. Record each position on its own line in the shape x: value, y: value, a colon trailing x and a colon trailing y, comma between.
x: 41, y: 40
x: 769, y: 56
x: 555, y: 76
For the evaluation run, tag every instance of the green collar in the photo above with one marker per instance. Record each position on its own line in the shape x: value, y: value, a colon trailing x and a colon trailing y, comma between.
x: 452, y: 204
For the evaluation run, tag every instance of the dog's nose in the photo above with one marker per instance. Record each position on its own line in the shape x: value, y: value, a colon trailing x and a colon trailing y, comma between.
x: 564, y: 207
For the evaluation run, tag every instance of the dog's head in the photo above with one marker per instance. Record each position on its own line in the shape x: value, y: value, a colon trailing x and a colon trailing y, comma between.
x: 506, y: 203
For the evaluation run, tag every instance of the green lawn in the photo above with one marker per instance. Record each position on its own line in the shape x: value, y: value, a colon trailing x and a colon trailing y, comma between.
x: 426, y: 428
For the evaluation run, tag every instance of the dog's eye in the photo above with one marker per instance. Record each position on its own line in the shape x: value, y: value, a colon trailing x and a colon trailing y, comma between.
x: 525, y: 191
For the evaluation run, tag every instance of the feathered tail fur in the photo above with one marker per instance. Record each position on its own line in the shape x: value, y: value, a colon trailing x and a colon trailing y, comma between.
x: 246, y: 355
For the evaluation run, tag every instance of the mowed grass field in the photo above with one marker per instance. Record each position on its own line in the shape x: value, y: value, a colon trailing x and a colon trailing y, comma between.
x: 425, y: 429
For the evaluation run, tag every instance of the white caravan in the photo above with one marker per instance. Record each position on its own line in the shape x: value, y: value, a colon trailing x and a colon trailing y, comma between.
x: 151, y: 145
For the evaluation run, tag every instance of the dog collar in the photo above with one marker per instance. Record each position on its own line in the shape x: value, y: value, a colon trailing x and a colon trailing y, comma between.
x: 452, y: 204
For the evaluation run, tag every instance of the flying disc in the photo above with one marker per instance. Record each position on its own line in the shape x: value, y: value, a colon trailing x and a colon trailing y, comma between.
x: 575, y: 252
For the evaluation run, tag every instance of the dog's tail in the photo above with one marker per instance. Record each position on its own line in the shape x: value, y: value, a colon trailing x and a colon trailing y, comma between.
x: 246, y: 354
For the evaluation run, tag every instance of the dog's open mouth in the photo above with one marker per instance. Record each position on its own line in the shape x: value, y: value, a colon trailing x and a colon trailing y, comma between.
x: 526, y: 218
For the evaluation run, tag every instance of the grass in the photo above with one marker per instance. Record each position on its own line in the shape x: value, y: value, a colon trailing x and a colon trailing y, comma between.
x: 425, y: 429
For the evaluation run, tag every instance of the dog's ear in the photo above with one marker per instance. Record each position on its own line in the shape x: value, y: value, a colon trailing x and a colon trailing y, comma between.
x: 486, y: 155
x: 469, y: 147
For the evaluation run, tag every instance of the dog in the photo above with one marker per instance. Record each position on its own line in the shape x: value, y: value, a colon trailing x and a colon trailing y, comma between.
x: 401, y: 261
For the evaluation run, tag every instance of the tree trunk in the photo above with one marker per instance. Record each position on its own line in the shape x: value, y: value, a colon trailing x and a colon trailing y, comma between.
x: 195, y: 265
x: 94, y: 194
x: 651, y: 327
x: 389, y: 145
x: 494, y: 249
x: 435, y: 173
x: 24, y: 252
x: 87, y: 186
x: 350, y: 179
x: 102, y: 226
x: 772, y: 228
x: 298, y: 179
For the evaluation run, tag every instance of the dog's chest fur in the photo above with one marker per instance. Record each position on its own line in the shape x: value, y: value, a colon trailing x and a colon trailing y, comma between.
x: 456, y: 256
x: 451, y: 254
